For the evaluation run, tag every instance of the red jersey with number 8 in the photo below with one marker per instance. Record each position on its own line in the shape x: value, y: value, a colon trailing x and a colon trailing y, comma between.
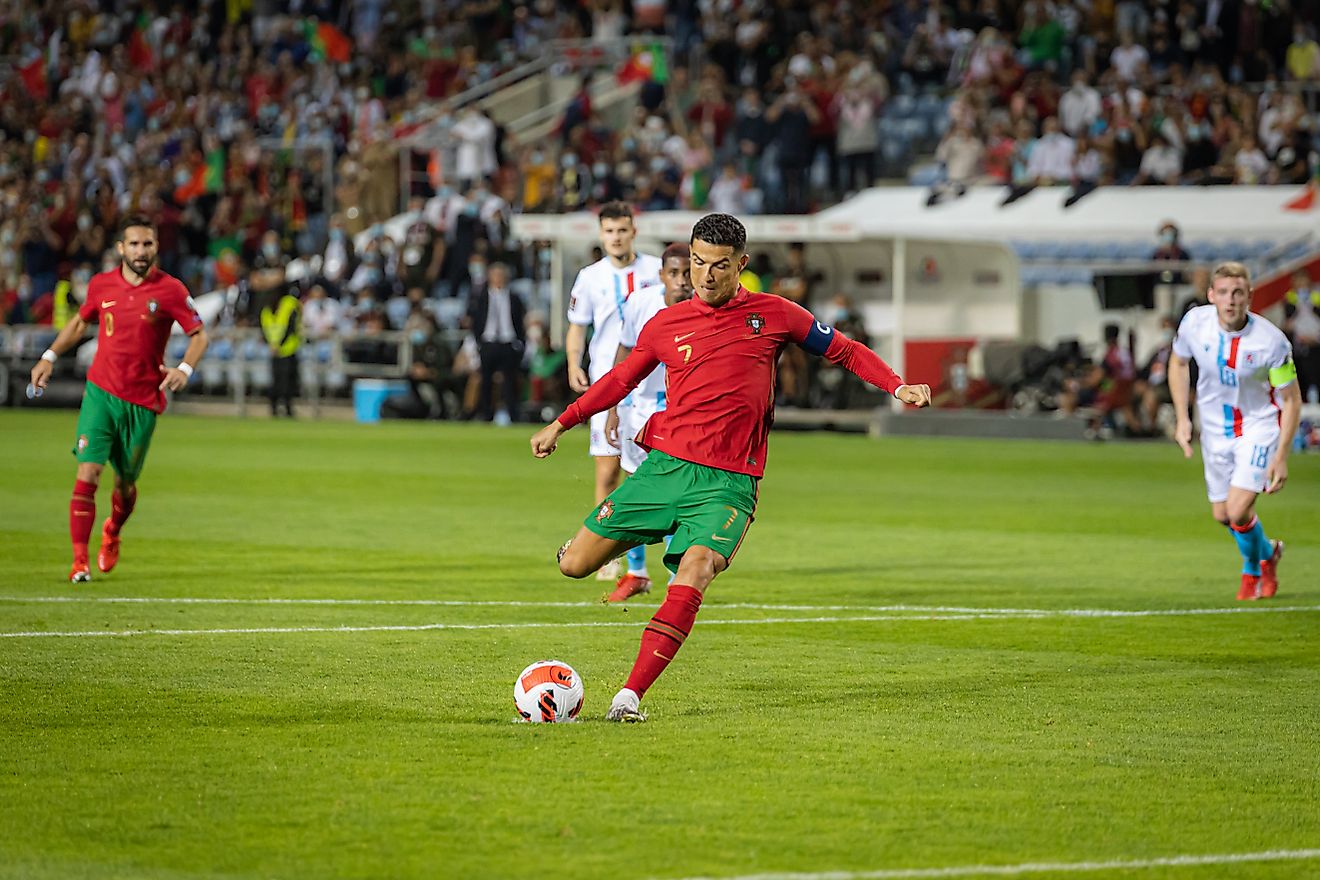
x: 135, y: 325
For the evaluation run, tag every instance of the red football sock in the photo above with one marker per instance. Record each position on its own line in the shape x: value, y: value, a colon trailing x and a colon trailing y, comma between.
x: 121, y: 506
x: 664, y: 635
x: 82, y: 516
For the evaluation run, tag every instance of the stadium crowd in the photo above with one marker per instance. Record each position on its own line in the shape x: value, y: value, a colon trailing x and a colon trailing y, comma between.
x: 263, y: 136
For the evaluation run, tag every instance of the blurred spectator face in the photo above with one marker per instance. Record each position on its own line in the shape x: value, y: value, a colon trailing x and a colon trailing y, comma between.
x: 499, y: 276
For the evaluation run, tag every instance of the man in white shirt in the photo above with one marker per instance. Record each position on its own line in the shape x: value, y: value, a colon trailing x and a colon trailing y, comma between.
x: 1128, y: 59
x: 626, y: 421
x: 1249, y: 403
x: 1080, y: 106
x: 1160, y: 164
x: 495, y: 317
x: 1051, y: 159
x: 597, y: 301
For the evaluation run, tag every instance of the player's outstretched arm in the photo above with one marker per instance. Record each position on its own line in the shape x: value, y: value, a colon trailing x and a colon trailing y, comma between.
x: 69, y: 334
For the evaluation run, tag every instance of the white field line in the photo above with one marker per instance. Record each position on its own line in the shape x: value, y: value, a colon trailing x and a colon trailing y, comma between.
x: 463, y: 603
x: 926, y: 616
x: 1273, y: 855
x: 422, y: 627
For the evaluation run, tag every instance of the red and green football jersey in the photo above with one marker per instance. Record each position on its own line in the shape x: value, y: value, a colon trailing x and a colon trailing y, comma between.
x: 135, y: 325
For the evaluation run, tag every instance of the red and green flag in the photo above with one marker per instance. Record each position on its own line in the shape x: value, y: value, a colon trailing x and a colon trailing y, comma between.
x: 327, y: 41
x: 647, y: 63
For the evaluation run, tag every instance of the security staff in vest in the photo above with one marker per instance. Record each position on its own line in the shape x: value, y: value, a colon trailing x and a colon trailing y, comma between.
x: 282, y: 326
x: 495, y: 316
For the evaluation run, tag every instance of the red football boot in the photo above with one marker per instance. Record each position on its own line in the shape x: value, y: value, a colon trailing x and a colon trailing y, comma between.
x: 1269, y: 571
x: 108, y: 555
x: 628, y: 586
x: 1250, y: 589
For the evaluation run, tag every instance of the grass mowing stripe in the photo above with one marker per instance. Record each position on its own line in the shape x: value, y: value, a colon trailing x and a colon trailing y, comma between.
x: 459, y: 603
x: 423, y: 627
x: 1183, y: 861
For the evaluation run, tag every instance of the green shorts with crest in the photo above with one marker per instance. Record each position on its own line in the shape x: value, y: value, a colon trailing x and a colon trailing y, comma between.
x: 110, y: 429
x: 698, y: 505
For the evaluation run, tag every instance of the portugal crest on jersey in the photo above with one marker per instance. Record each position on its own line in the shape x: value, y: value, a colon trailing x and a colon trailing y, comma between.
x: 152, y: 305
x: 755, y: 322
x: 606, y: 510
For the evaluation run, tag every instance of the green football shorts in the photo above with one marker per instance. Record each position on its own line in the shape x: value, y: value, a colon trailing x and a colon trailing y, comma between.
x: 114, y: 430
x: 698, y: 505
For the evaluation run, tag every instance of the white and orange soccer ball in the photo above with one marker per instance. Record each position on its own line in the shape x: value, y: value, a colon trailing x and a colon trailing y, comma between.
x: 548, y: 691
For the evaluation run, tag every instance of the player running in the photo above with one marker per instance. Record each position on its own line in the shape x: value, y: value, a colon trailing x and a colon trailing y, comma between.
x: 136, y: 306
x: 627, y: 419
x: 707, y: 449
x: 599, y: 294
x: 1249, y: 401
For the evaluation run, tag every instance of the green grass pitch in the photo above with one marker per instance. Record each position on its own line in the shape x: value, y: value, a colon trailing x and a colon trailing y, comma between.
x: 808, y: 725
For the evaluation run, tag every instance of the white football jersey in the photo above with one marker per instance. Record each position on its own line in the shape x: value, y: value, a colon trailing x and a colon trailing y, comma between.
x: 597, y: 301
x: 641, y: 307
x: 1233, y: 392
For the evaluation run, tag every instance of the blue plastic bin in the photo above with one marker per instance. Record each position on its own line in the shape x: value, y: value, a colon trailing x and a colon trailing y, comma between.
x: 369, y: 394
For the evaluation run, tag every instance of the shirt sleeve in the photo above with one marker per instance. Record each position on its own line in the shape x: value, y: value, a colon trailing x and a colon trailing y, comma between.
x: 92, y: 305
x: 823, y: 340
x: 579, y: 301
x: 1182, y: 340
x: 183, y: 310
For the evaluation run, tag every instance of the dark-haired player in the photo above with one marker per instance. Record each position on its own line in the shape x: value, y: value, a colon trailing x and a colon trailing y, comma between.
x: 707, y: 449
x: 136, y: 305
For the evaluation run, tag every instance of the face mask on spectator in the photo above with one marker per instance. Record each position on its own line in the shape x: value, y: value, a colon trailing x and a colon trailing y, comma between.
x: 537, y: 158
x: 84, y: 222
x: 477, y: 271
x: 336, y: 235
x: 1167, y: 237
x: 271, y: 250
x: 417, y: 337
x: 600, y: 169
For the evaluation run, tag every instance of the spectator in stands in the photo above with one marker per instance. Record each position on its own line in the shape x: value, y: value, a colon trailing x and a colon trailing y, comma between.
x: 792, y: 117
x: 476, y: 158
x: 1302, y: 60
x: 423, y: 251
x: 1161, y: 164
x: 429, y: 378
x: 321, y: 315
x: 1041, y: 38
x: 1050, y: 162
x: 339, y: 259
x: 1170, y: 247
x: 1080, y: 106
x: 727, y: 195
x: 1250, y: 164
x: 856, y: 107
x: 751, y: 131
x: 1088, y: 170
x: 1129, y: 59
x: 961, y: 154
x: 496, y: 316
x: 1301, y: 310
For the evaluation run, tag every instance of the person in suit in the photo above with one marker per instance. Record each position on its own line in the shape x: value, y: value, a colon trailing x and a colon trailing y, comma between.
x: 495, y: 315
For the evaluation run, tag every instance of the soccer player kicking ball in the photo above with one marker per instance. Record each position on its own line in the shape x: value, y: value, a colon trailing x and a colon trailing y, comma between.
x: 136, y: 306
x: 707, y: 449
x: 1250, y: 404
x: 649, y: 397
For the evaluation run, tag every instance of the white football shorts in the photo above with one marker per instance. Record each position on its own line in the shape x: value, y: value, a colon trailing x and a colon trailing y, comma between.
x: 1237, y: 461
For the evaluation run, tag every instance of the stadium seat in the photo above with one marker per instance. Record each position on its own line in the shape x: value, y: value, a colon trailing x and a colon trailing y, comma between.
x: 900, y: 106
x: 926, y: 174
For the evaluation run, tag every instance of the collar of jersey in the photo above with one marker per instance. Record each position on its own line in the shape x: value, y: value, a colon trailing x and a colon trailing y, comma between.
x: 706, y: 308
x: 151, y: 276
x: 1231, y: 333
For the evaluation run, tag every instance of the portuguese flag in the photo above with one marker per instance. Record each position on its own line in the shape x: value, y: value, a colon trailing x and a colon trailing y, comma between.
x: 327, y: 41
x: 647, y: 63
x: 140, y: 55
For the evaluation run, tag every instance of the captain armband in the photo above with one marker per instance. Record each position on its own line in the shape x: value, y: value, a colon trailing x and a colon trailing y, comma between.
x: 1282, y: 375
x: 818, y: 338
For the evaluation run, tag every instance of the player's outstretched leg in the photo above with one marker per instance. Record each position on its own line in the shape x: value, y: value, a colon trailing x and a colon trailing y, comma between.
x: 82, y: 515
x: 121, y: 507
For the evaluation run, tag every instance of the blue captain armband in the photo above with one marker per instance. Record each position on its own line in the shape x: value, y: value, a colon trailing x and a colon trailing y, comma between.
x: 818, y: 338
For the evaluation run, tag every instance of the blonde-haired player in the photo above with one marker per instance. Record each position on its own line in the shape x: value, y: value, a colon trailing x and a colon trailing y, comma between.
x: 1249, y: 404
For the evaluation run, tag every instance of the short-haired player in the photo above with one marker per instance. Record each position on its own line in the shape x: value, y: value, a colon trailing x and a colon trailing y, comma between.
x: 1249, y: 403
x: 136, y: 305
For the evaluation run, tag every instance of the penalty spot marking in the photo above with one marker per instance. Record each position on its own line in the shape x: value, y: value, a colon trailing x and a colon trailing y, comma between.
x: 1181, y: 861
